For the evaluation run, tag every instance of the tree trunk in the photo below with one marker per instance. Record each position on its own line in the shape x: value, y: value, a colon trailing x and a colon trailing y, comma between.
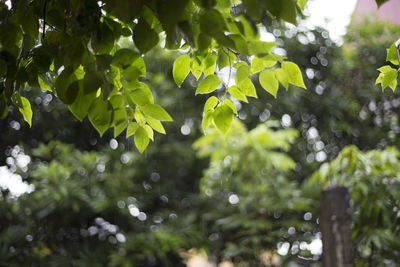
x: 335, y: 225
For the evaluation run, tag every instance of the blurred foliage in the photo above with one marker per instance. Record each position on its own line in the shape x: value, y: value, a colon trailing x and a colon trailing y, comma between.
x: 342, y: 106
x: 373, y: 179
x: 87, y: 209
x: 256, y: 206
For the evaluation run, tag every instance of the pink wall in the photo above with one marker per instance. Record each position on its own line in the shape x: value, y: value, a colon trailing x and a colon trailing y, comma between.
x: 389, y: 10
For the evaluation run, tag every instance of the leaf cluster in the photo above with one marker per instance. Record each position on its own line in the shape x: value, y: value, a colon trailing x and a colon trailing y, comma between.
x: 82, y: 53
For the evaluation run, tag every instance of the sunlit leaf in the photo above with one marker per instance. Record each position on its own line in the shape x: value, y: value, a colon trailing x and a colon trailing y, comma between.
x: 208, y: 85
x: 301, y: 3
x: 282, y: 77
x: 131, y: 130
x: 387, y: 77
x: 392, y: 55
x: 294, y: 74
x: 156, y: 125
x: 242, y: 73
x: 26, y: 111
x: 237, y: 93
x: 230, y: 104
x: 149, y: 131
x: 124, y: 57
x: 196, y: 67
x: 100, y: 114
x: 181, y: 69
x: 223, y: 116
x: 247, y: 87
x: 156, y: 112
x: 269, y: 82
x: 210, y: 62
x: 261, y: 48
x: 211, y: 103
x: 141, y: 139
x: 207, y: 119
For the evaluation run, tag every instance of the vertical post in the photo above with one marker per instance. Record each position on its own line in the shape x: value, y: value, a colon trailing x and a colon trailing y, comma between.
x: 335, y: 225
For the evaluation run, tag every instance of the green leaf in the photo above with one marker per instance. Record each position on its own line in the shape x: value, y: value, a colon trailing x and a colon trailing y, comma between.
x: 260, y: 48
x: 392, y: 55
x: 156, y: 125
x: 253, y: 8
x: 29, y: 22
x: 257, y: 64
x: 100, y: 113
x: 124, y: 10
x: 301, y: 4
x: 230, y: 104
x: 223, y: 116
x: 139, y: 97
x: 92, y: 81
x: 139, y: 117
x: 380, y: 2
x: 242, y: 73
x: 240, y: 44
x: 124, y: 57
x: 236, y: 93
x: 282, y: 77
x: 144, y: 36
x: 294, y: 74
x: 207, y: 119
x: 210, y: 63
x: 63, y: 82
x: 102, y: 40
x: 119, y: 128
x: 223, y: 59
x: 208, y: 85
x: 212, y: 22
x: 131, y: 74
x: 387, y: 77
x: 120, y: 116
x: 131, y: 130
x: 44, y: 84
x: 282, y: 9
x: 72, y: 92
x: 181, y: 69
x: 196, y: 67
x: 156, y: 112
x: 26, y: 111
x: 270, y: 60
x: 288, y: 12
x: 141, y: 139
x: 203, y: 41
x: 269, y: 82
x: 81, y: 105
x: 149, y: 131
x: 210, y: 103
x: 247, y: 88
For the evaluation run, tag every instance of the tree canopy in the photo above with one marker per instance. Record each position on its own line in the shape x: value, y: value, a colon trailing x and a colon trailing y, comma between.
x: 82, y: 52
